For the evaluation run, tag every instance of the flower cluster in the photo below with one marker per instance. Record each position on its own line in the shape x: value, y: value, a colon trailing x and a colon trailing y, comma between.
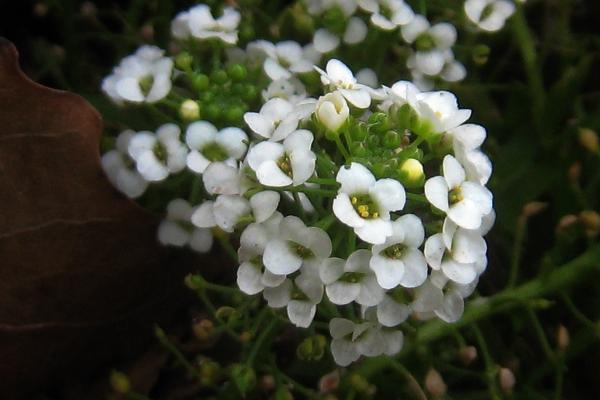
x: 347, y: 197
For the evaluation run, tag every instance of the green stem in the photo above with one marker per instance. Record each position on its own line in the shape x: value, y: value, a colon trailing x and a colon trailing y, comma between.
x: 491, y: 370
x: 417, y: 197
x: 166, y: 343
x: 304, y: 189
x: 323, y: 181
x: 260, y: 340
x: 342, y: 148
x: 539, y: 331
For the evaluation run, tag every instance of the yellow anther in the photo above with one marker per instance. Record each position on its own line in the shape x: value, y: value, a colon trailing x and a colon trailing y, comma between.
x: 375, y: 215
x: 364, y: 214
x: 354, y: 200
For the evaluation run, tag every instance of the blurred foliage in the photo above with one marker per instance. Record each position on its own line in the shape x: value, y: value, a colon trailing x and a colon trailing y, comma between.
x: 538, y: 94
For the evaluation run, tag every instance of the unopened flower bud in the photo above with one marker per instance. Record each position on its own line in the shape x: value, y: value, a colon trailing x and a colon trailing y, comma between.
x: 243, y: 377
x: 332, y: 111
x: 589, y: 140
x: 591, y: 222
x: 189, y: 110
x: 203, y: 329
x: 228, y: 314
x: 480, y: 54
x: 379, y: 122
x: 565, y: 223
x: 467, y: 354
x: 237, y: 72
x: 267, y: 383
x: 434, y: 383
x: 147, y: 32
x: 574, y: 173
x: 312, y: 348
x: 120, y: 382
x: 329, y: 382
x: 209, y: 372
x: 562, y: 338
x: 533, y: 208
x: 411, y: 173
x: 358, y: 383
x: 507, y: 380
x: 184, y: 61
x: 283, y: 393
x: 201, y: 82
x: 245, y: 337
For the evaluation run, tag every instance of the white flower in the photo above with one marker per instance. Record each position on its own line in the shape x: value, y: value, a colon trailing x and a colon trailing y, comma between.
x: 355, y: 30
x: 338, y: 76
x: 391, y: 311
x: 284, y: 59
x: 431, y: 43
x: 290, y: 89
x: 398, y: 261
x: 208, y: 145
x: 290, y: 163
x: 489, y: 15
x: 252, y: 276
x: 365, y: 204
x: 351, y: 340
x: 332, y: 111
x: 464, y: 202
x: 120, y: 170
x: 388, y: 14
x: 230, y: 210
x: 276, y: 120
x: 158, y: 155
x: 299, y: 296
x: 296, y: 245
x: 367, y: 77
x: 141, y: 77
x: 466, y: 140
x: 351, y: 280
x: 199, y: 22
x: 177, y: 229
x: 441, y: 110
x: 221, y: 178
x: 463, y: 261
x: 441, y: 298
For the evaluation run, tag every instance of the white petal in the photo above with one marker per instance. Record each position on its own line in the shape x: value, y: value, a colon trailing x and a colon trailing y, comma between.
x: 391, y: 313
x: 325, y: 41
x: 262, y: 152
x: 356, y: 31
x: 355, y: 179
x: 453, y: 172
x: 389, y: 272
x: 468, y: 246
x: 279, y: 296
x: 203, y: 216
x: 392, y: 342
x: 436, y: 191
x: 345, y: 212
x: 413, y: 230
x: 459, y: 273
x: 197, y: 162
x: 269, y: 174
x: 301, y: 313
x: 129, y: 89
x: 344, y: 352
x: 371, y: 293
x: 360, y: 98
x: 228, y: 210
x: 171, y: 233
x: 340, y: 327
x: 466, y: 214
x: 427, y: 298
x: 374, y: 231
x: 279, y: 259
x: 275, y: 71
x: 338, y: 71
x: 232, y: 139
x: 303, y: 166
x: 415, y: 268
x: 434, y: 250
x: 331, y: 270
x: 389, y: 194
x: 264, y: 204
x: 259, y: 124
x: 470, y: 136
x: 444, y: 34
x: 201, y: 240
x: 220, y: 178
x: 414, y: 28
x: 341, y: 293
x: 151, y: 168
x: 451, y: 308
x: 480, y: 195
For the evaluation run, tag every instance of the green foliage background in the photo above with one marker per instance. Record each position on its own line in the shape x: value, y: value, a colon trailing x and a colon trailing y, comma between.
x: 534, y: 93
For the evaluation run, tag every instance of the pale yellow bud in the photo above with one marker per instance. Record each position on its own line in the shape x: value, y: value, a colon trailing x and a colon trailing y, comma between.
x: 411, y: 172
x: 591, y: 222
x: 189, y: 110
x: 562, y: 338
x: 589, y: 140
x: 332, y: 111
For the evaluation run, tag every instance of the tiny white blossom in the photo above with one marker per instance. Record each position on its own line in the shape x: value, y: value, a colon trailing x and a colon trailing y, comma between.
x: 230, y: 210
x: 282, y: 164
x: 464, y: 202
x: 489, y: 15
x: 284, y: 59
x: 466, y: 140
x: 441, y: 110
x: 221, y: 178
x: 252, y: 276
x: 120, y: 170
x: 431, y: 43
x: 332, y: 111
x: 392, y: 312
x: 177, y: 230
x: 398, y: 261
x: 387, y: 14
x: 364, y: 203
x: 199, y: 23
x: 144, y: 76
x: 351, y: 280
x: 290, y: 89
x: 158, y: 155
x: 338, y: 76
x: 207, y: 145
x: 296, y: 245
x: 277, y: 118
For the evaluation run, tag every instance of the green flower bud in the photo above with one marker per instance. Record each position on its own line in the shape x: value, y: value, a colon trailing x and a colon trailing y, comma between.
x: 189, y: 110
x: 209, y: 372
x: 373, y: 141
x: 184, y: 61
x: 219, y: 76
x: 250, y: 92
x: 359, y: 131
x: 379, y: 122
x: 411, y: 174
x: 359, y: 149
x: 402, y: 115
x: 228, y: 314
x: 120, y: 382
x: 203, y: 329
x: 243, y: 377
x: 392, y: 139
x: 201, y: 82
x: 312, y: 348
x: 358, y: 383
x: 283, y: 393
x: 234, y: 114
x: 334, y: 19
x: 212, y: 111
x: 237, y: 72
x: 246, y: 32
x: 480, y: 54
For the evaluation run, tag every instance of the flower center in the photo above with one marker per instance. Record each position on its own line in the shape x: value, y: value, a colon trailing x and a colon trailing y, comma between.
x: 455, y: 195
x: 301, y: 251
x: 160, y: 152
x: 146, y: 84
x: 257, y: 262
x: 398, y: 295
x: 352, y: 277
x: 285, y: 165
x: 298, y: 294
x: 214, y: 152
x: 365, y: 206
x: 186, y: 226
x: 487, y: 11
x: 425, y: 42
x: 386, y: 11
x: 395, y: 251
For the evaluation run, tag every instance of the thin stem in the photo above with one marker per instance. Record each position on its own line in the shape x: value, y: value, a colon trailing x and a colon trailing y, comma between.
x: 323, y: 181
x: 517, y: 250
x: 260, y: 340
x: 417, y: 197
x: 539, y: 331
x: 490, y: 366
x: 304, y: 189
x: 179, y: 357
x: 341, y: 148
x: 413, y: 384
x: 226, y: 244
